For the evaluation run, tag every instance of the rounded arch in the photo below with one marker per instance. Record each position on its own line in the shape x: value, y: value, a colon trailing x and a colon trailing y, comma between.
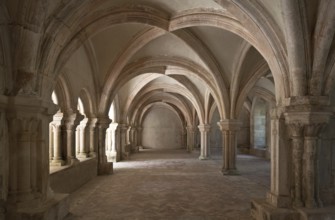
x: 64, y: 95
x: 260, y: 70
x: 222, y: 20
x: 148, y: 93
x: 148, y: 106
x: 178, y: 104
x: 158, y: 65
x: 88, y: 102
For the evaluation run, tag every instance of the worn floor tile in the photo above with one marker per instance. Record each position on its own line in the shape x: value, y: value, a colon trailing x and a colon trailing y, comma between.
x: 172, y: 185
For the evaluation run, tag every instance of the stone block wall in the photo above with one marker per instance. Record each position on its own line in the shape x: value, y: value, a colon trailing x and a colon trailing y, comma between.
x: 71, y: 178
x: 162, y: 129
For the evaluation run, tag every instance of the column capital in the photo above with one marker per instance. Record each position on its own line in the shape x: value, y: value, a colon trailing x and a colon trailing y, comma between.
x: 72, y: 119
x: 113, y: 125
x: 92, y: 122
x: 104, y: 122
x: 204, y: 127
x: 124, y: 127
x: 190, y: 128
x: 229, y: 125
x: 17, y: 106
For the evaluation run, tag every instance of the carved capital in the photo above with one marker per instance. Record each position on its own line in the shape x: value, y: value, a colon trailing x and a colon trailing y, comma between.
x: 307, y: 123
x: 204, y: 128
x: 72, y: 120
x: 229, y: 125
x: 190, y: 129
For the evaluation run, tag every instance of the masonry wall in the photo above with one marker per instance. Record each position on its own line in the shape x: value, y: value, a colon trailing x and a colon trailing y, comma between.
x: 162, y: 129
x: 72, y: 178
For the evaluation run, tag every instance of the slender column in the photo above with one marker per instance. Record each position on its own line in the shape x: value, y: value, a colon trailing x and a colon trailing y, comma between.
x: 279, y: 195
x: 103, y: 166
x: 204, y: 150
x: 113, y: 127
x: 92, y: 124
x: 123, y: 139
x: 56, y: 141
x: 184, y: 138
x: 112, y: 152
x: 229, y: 130
x: 190, y: 138
x: 312, y: 197
x: 134, y: 145
x: 71, y: 122
x: 297, y: 151
x: 139, y: 136
x: 118, y: 143
x: 51, y: 141
x: 57, y: 159
x: 83, y: 151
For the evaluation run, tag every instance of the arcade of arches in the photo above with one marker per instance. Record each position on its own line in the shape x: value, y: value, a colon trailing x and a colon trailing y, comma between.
x: 88, y: 83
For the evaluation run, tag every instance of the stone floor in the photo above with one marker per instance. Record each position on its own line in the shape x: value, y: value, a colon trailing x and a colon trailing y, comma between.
x: 172, y: 184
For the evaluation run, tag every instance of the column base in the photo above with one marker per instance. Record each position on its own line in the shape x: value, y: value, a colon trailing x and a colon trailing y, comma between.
x: 262, y: 210
x: 54, y: 209
x: 105, y: 168
x: 231, y: 172
x: 204, y: 157
x: 112, y: 157
x: 82, y: 156
x: 57, y: 163
x: 72, y: 161
x: 278, y: 201
x: 92, y: 154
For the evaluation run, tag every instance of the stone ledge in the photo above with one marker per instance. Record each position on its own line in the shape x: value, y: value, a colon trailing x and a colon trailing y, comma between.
x: 54, y: 209
x: 325, y: 213
x: 261, y: 210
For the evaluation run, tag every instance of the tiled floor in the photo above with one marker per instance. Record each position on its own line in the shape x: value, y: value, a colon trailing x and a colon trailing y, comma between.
x: 172, y: 185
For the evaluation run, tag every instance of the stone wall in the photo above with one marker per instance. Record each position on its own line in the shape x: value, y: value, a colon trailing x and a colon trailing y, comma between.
x: 71, y: 178
x: 162, y: 129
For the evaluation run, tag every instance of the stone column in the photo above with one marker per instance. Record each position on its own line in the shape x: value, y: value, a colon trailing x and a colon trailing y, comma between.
x: 28, y: 186
x: 304, y: 147
x: 297, y: 145
x: 83, y: 149
x: 190, y: 138
x: 310, y: 171
x: 57, y: 151
x: 112, y: 153
x: 139, y: 136
x: 108, y: 143
x: 118, y: 143
x: 279, y: 195
x: 123, y: 139
x: 133, y: 133
x: 229, y: 129
x: 104, y: 167
x: 294, y: 172
x: 204, y: 149
x: 71, y: 122
x: 184, y: 138
x: 92, y: 124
